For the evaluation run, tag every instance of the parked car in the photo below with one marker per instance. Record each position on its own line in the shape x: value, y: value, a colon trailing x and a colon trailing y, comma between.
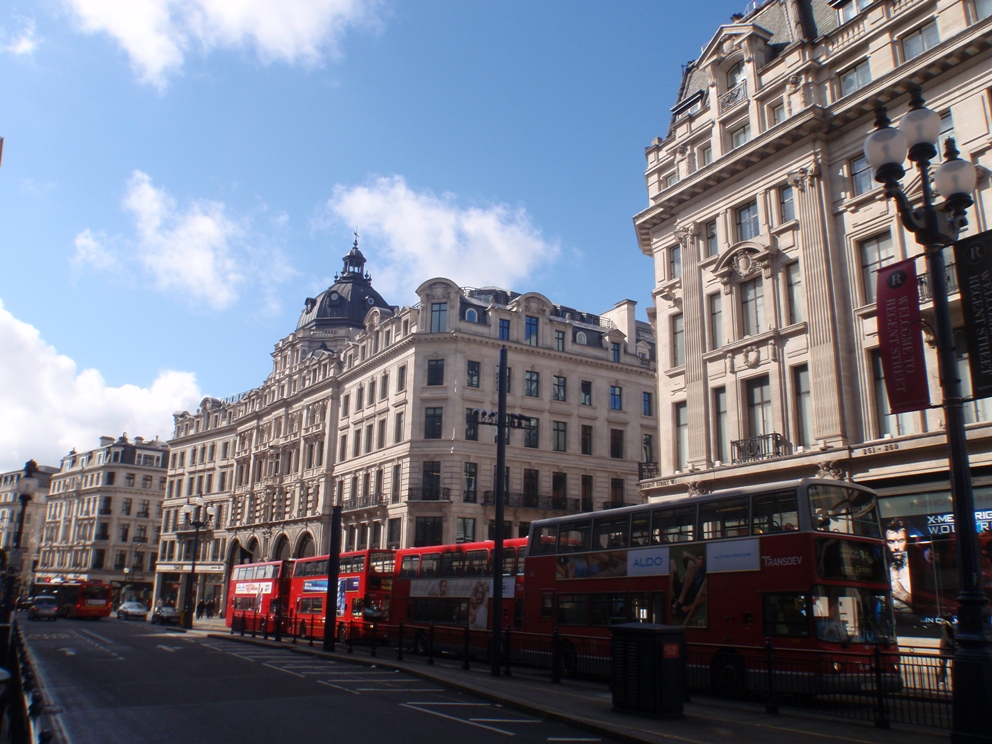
x: 165, y: 615
x: 24, y: 603
x: 45, y: 607
x: 132, y: 611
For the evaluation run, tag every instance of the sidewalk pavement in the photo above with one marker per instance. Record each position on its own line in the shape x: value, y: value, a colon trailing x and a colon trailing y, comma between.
x: 589, y: 706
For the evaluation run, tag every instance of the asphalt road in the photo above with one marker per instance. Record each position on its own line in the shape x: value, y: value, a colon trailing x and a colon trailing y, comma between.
x: 117, y: 681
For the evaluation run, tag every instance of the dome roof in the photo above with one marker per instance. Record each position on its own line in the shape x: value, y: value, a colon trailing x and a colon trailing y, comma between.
x: 347, y: 301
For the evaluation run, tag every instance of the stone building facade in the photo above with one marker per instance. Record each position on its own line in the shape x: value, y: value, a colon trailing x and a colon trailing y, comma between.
x: 767, y: 229
x: 367, y: 405
x: 34, y: 518
x: 103, y: 517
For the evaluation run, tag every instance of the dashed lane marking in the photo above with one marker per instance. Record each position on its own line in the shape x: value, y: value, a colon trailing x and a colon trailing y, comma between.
x: 422, y: 707
x: 337, y: 687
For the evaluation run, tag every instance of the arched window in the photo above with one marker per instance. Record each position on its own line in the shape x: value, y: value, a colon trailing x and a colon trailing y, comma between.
x: 580, y: 338
x: 735, y: 75
x: 472, y: 315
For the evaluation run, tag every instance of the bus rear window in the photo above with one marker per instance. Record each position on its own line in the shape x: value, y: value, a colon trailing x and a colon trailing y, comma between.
x: 848, y: 511
x: 573, y: 537
x: 543, y: 539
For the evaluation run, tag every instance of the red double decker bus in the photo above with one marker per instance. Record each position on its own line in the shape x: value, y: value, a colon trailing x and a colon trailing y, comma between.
x: 801, y: 563
x: 450, y: 586
x: 258, y: 595
x: 86, y: 599
x: 365, y: 581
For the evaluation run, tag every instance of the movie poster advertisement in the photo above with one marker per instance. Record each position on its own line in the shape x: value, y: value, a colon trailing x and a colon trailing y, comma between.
x: 689, y: 594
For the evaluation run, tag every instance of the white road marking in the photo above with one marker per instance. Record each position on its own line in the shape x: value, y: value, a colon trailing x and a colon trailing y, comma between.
x: 68, y: 651
x: 515, y: 720
x: 170, y: 649
x: 455, y: 718
x: 285, y: 671
x: 96, y: 635
x: 400, y: 689
x: 343, y: 689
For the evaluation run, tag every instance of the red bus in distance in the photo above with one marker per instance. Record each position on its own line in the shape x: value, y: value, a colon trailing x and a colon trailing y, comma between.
x: 258, y: 595
x: 801, y: 563
x: 365, y: 581
x: 86, y: 599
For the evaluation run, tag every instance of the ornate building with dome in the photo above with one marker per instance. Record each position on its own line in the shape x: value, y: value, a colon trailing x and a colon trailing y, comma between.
x: 366, y: 407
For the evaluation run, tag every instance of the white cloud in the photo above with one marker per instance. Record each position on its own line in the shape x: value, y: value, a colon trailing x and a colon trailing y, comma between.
x: 418, y: 235
x: 158, y: 34
x: 189, y: 251
x: 48, y: 406
x: 91, y: 251
x: 24, y: 43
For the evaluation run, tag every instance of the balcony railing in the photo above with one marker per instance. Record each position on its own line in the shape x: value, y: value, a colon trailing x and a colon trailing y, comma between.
x: 614, y: 504
x: 647, y: 470
x: 950, y: 276
x: 533, y: 501
x: 367, y: 501
x: 106, y: 511
x: 143, y: 515
x: 734, y: 96
x: 764, y: 447
x: 428, y: 494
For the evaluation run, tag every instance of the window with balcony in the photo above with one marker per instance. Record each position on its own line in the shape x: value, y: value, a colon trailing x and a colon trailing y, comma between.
x: 126, y: 505
x: 759, y: 407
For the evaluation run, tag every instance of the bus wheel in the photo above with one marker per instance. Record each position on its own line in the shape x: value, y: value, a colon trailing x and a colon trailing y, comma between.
x: 420, y: 643
x: 342, y: 633
x: 569, y: 659
x: 728, y: 675
x: 303, y: 629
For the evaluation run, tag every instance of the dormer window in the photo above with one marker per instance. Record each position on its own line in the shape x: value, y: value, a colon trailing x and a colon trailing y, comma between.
x: 848, y: 10
x: 472, y: 315
x: 735, y: 75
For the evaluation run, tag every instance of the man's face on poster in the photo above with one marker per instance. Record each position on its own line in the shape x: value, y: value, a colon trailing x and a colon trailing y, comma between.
x: 895, y: 540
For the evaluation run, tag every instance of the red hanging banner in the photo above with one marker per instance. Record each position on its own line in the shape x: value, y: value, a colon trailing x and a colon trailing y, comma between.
x: 900, y: 335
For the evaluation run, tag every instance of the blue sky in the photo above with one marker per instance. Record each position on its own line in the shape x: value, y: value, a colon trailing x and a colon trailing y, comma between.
x: 178, y: 177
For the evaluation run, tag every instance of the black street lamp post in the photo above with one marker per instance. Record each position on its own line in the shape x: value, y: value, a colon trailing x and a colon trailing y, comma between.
x: 935, y: 228
x: 195, y: 515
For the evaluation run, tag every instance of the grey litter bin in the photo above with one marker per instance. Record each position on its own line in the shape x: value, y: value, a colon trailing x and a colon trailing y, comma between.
x: 648, y: 673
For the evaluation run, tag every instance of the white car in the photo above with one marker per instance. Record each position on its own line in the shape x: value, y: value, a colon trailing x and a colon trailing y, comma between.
x: 132, y: 611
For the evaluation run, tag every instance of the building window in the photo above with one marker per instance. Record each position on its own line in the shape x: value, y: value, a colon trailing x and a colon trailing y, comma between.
x: 439, y: 317
x: 616, y: 444
x: 394, y: 486
x: 876, y: 252
x: 384, y: 387
x: 921, y: 40
x: 748, y: 227
x: 894, y: 424
x: 435, y: 371
x: 616, y: 398
x: 432, y: 423
x: 682, y: 437
x: 804, y: 406
x: 710, y: 236
x: 398, y: 428
x: 735, y: 75
x: 356, y: 445
x: 471, y: 425
x: 472, y: 375
x: 401, y: 379
x: 794, y: 293
x: 647, y: 404
x: 740, y: 136
x: 558, y: 388
x: 470, y: 476
x: 856, y: 77
x: 472, y: 315
x: 380, y: 436
x: 531, y: 434
x: 983, y: 8
x: 464, y: 529
x: 675, y: 262
x: 559, y: 439
x: 752, y: 299
x: 126, y: 503
x: 715, y: 304
x: 721, y: 434
x: 504, y: 329
x: 532, y: 384
x: 862, y: 176
x: 129, y: 480
x: 371, y: 392
x: 778, y: 113
x: 786, y: 204
x: 678, y: 340
x: 581, y: 338
x: 847, y: 11
x: 368, y: 439
x: 586, y: 439
x: 647, y: 448
x: 585, y: 392
x: 428, y: 531
x: 559, y: 340
x: 616, y: 492
x: 671, y: 179
x: 759, y: 407
x: 615, y: 352
x: 530, y: 330
x: 705, y: 156
x: 359, y: 398
x: 345, y: 403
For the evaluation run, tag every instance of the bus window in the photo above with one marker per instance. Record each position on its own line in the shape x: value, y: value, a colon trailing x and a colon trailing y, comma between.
x: 640, y: 529
x: 673, y: 525
x: 848, y: 614
x: 544, y: 539
x: 726, y: 518
x: 785, y: 615
x: 775, y: 512
x: 573, y: 537
x: 573, y: 609
x: 429, y: 565
x: 521, y: 558
x: 452, y: 564
x: 382, y: 562
x: 610, y: 532
x: 409, y: 566
x: 647, y: 607
x: 476, y: 562
x: 357, y: 605
x: 849, y: 511
x: 608, y: 609
x: 547, y: 604
x: 422, y: 611
x: 509, y: 561
x: 451, y: 610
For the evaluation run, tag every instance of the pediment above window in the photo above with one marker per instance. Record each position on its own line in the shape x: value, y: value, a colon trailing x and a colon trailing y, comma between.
x: 743, y: 261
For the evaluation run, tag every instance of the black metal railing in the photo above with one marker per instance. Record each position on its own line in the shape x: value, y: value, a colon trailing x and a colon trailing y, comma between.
x: 364, y: 502
x: 950, y: 277
x: 764, y: 447
x: 647, y: 470
x: 533, y: 501
x: 734, y: 96
x: 428, y: 494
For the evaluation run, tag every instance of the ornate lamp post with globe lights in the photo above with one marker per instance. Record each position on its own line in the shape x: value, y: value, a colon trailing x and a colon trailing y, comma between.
x: 935, y: 228
x: 195, y: 512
